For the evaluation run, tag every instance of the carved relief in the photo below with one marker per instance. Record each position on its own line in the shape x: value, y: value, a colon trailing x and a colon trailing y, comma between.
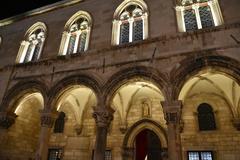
x: 7, y: 119
x: 103, y: 117
x: 146, y: 109
x: 47, y: 119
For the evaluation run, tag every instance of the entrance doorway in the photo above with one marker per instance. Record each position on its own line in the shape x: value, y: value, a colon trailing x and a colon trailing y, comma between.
x: 147, y: 146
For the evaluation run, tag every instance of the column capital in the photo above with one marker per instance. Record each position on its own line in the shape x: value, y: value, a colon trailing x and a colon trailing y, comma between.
x: 172, y: 111
x: 236, y: 123
x: 103, y: 116
x: 7, y: 119
x: 48, y: 118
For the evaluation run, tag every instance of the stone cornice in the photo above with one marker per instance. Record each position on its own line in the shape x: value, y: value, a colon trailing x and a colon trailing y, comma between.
x: 38, y: 11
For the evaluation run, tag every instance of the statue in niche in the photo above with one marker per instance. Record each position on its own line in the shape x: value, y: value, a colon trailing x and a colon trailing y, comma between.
x: 146, y: 109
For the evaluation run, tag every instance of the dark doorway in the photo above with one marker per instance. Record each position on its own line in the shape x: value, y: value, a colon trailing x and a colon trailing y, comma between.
x: 147, y: 145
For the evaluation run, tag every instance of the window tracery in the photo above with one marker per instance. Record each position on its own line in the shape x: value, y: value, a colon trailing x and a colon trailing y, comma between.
x: 31, y: 48
x: 198, y: 14
x: 130, y: 23
x: 76, y: 35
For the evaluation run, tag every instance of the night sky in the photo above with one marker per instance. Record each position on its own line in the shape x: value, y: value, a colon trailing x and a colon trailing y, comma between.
x: 11, y: 8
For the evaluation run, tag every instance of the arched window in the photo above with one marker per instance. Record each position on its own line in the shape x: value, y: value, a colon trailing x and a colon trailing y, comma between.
x: 206, y: 120
x: 31, y: 47
x: 130, y: 22
x: 75, y: 38
x: 198, y: 14
x: 59, y: 123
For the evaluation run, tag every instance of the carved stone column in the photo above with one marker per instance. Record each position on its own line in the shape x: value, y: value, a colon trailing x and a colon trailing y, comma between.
x: 47, y: 121
x: 172, y: 113
x: 103, y: 118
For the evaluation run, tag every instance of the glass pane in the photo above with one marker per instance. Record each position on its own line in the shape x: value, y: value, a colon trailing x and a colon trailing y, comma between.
x: 124, y: 33
x: 193, y: 156
x: 206, y: 16
x: 71, y: 44
x: 29, y: 51
x: 82, y: 41
x: 138, y: 30
x: 108, y: 155
x: 37, y: 51
x: 190, y: 20
x: 54, y: 154
x: 206, y: 156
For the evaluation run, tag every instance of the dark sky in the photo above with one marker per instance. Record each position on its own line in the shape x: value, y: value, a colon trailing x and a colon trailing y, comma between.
x: 11, y: 8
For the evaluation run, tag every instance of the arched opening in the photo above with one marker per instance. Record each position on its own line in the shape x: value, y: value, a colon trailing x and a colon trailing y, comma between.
x: 211, y: 102
x: 75, y: 127
x: 147, y: 146
x: 22, y: 137
x: 137, y: 99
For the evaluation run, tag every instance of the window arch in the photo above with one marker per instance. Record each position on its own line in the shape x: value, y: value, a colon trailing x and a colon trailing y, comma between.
x: 198, y: 14
x: 76, y: 34
x: 130, y: 22
x: 59, y: 123
x: 206, y: 120
x: 31, y: 46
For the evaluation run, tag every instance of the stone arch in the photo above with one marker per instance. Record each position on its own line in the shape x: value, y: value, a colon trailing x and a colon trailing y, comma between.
x: 138, y: 72
x: 59, y: 88
x: 126, y: 3
x: 77, y: 15
x: 193, y: 65
x: 14, y: 95
x: 35, y: 26
x: 133, y: 131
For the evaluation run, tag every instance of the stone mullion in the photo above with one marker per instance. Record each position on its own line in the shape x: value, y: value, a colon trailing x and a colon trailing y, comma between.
x: 47, y: 121
x: 172, y: 112
x: 103, y: 118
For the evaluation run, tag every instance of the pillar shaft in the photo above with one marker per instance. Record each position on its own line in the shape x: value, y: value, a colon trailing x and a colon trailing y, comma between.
x: 172, y: 112
x: 47, y: 121
x: 103, y: 118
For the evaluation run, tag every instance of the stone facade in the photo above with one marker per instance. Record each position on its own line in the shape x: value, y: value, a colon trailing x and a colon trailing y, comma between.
x: 110, y: 93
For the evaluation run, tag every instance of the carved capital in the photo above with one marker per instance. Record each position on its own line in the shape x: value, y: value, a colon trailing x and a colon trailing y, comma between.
x: 103, y: 116
x: 78, y: 128
x: 48, y: 119
x: 172, y: 111
x: 123, y: 128
x: 7, y: 119
x: 236, y: 123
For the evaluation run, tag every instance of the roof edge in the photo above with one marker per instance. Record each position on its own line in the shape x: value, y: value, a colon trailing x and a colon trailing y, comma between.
x: 38, y: 11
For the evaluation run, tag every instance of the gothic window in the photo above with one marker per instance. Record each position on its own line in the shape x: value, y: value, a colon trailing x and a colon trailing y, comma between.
x: 200, y: 155
x: 76, y: 35
x: 130, y: 23
x: 55, y: 154
x: 59, y: 123
x: 198, y: 14
x: 31, y: 48
x: 206, y: 118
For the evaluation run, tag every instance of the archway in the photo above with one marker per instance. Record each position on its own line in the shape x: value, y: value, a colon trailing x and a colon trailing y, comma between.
x: 147, y: 146
x: 22, y: 137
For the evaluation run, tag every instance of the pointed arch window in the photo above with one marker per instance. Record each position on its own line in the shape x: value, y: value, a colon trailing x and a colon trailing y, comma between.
x: 31, y: 48
x: 198, y: 14
x: 76, y: 35
x: 59, y: 123
x: 130, y: 23
x: 206, y: 119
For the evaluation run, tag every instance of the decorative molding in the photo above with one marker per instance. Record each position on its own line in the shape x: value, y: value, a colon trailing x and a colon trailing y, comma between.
x: 172, y: 111
x: 236, y: 123
x: 48, y: 119
x: 7, y: 119
x: 103, y: 116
